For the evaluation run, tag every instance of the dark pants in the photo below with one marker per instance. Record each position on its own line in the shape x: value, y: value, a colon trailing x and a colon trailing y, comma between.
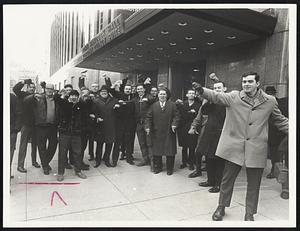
x: 13, y: 140
x: 44, y: 134
x: 142, y: 138
x: 157, y: 161
x: 27, y: 132
x: 274, y: 155
x: 123, y: 134
x: 215, y: 168
x: 188, y: 155
x: 254, y: 175
x: 106, y: 156
x: 91, y: 138
x: 67, y: 142
x: 198, y: 161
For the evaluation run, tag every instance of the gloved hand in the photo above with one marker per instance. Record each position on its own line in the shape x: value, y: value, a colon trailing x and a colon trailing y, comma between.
x: 28, y: 81
x: 197, y: 87
x: 43, y: 84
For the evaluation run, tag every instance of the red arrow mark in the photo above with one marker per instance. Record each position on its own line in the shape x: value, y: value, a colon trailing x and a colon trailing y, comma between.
x: 59, y: 196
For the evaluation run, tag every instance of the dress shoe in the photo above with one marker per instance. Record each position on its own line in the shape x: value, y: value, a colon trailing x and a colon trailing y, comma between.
x: 249, y: 217
x: 182, y: 166
x: 219, y: 213
x: 143, y: 163
x: 130, y: 162
x: 84, y: 164
x: 107, y: 163
x: 203, y: 169
x: 169, y: 172
x: 46, y: 171
x: 270, y: 175
x: 204, y: 184
x: 84, y: 167
x: 22, y: 169
x: 60, y: 177
x: 36, y: 164
x: 191, y: 167
x: 49, y: 167
x: 68, y: 166
x: 123, y: 157
x: 156, y: 171
x: 81, y: 175
x: 214, y: 189
x: 114, y: 164
x: 97, y: 164
x: 91, y: 158
x: 284, y: 195
x: 195, y: 174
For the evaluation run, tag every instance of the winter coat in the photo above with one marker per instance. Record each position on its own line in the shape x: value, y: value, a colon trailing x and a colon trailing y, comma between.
x: 186, y: 119
x: 244, y: 139
x: 141, y: 107
x: 104, y: 109
x: 159, y: 122
x: 213, y: 128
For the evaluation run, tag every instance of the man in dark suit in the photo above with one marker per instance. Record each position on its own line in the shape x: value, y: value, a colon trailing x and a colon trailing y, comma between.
x: 27, y: 129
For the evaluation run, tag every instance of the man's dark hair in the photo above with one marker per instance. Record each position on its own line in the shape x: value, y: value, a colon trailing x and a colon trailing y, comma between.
x: 68, y: 85
x: 251, y: 73
x: 154, y: 87
x: 220, y: 82
x: 140, y: 84
x: 128, y: 84
x: 74, y: 92
x: 84, y: 88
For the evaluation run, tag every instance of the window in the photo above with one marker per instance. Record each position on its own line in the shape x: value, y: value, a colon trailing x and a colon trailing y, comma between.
x: 101, y: 20
x: 109, y: 16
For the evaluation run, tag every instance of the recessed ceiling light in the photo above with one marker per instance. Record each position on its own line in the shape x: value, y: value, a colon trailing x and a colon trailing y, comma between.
x: 113, y: 56
x: 210, y: 43
x: 129, y: 48
x: 139, y: 56
x: 231, y: 37
x: 167, y: 55
x: 118, y: 63
x: 193, y: 48
x: 182, y: 23
x: 139, y: 44
x: 164, y: 32
x: 159, y: 48
x: 98, y: 63
x: 121, y: 52
x: 179, y: 52
x: 131, y: 58
x: 156, y: 59
x: 172, y: 44
x: 188, y: 38
x: 107, y: 58
x: 196, y: 70
x: 150, y: 38
x: 208, y: 31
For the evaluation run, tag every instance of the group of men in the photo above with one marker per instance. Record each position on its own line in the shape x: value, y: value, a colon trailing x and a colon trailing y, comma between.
x: 230, y: 129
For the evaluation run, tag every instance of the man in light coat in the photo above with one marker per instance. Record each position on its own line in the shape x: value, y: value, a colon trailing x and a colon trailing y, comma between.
x: 244, y: 139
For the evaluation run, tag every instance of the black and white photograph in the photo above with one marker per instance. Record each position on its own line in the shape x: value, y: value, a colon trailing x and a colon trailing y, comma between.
x: 158, y: 115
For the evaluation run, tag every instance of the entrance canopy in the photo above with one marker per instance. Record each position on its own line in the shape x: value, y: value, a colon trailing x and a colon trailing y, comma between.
x: 151, y: 36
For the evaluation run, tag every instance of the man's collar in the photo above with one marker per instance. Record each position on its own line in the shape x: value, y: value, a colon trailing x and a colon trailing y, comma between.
x: 254, y: 101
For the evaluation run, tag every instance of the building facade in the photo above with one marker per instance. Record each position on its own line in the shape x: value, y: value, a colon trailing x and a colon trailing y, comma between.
x: 178, y: 46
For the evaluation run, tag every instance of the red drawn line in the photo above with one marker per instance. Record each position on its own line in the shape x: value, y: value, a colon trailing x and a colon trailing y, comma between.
x: 52, y: 183
x: 59, y: 196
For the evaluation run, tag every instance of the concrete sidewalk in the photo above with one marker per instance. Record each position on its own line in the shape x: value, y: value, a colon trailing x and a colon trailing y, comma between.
x: 131, y: 193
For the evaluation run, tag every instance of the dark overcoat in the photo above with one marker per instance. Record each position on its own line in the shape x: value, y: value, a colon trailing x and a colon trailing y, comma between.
x: 104, y: 109
x: 212, y: 131
x: 186, y: 118
x: 160, y: 122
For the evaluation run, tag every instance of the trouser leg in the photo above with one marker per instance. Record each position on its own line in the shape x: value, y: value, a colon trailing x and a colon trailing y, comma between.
x: 231, y: 171
x: 117, y: 143
x: 157, y: 161
x: 33, y: 145
x: 198, y: 158
x: 254, y: 176
x: 191, y: 156
x: 25, y: 134
x: 41, y: 135
x: 91, y: 143
x: 184, y: 155
x: 99, y: 151
x: 219, y: 170
x: 76, y: 147
x: 170, y: 163
x: 52, y: 142
x: 142, y: 141
x: 63, y: 147
x: 108, y: 147
x: 211, y: 171
x: 84, y: 142
x: 13, y: 139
